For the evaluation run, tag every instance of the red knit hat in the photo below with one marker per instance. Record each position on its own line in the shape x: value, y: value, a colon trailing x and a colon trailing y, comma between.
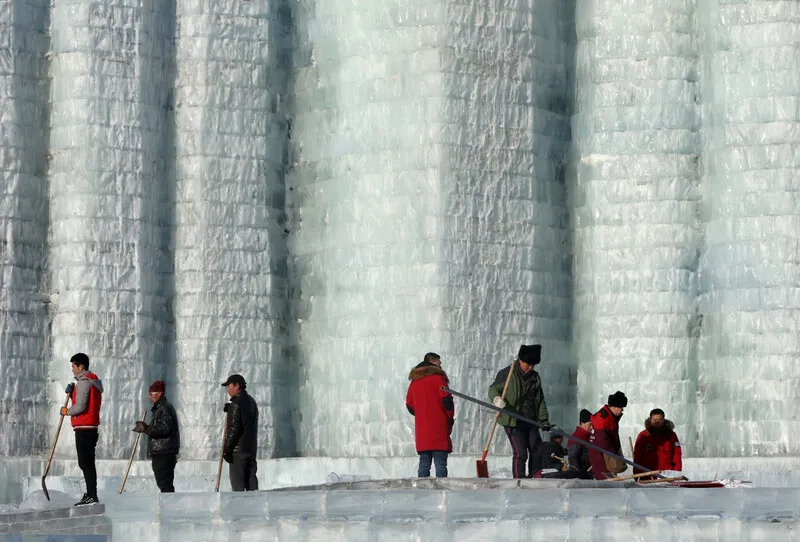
x: 157, y: 386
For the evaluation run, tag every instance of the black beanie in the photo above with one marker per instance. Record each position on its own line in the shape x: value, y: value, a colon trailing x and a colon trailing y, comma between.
x: 585, y: 416
x: 656, y: 411
x: 530, y: 353
x: 618, y: 400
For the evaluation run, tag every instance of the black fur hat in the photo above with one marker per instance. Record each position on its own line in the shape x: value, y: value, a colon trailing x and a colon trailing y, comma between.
x: 530, y: 353
x: 585, y: 416
x: 618, y: 400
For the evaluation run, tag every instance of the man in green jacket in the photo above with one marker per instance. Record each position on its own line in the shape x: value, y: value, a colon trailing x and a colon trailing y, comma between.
x: 525, y: 396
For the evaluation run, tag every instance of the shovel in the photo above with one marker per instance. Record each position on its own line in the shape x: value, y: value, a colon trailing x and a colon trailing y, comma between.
x: 481, y: 465
x: 53, y: 450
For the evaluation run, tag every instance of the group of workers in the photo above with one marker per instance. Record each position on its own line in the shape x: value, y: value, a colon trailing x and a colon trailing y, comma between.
x: 239, y: 446
x: 517, y: 389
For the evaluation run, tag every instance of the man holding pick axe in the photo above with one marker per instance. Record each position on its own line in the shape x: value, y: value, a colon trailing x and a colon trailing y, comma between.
x: 523, y: 395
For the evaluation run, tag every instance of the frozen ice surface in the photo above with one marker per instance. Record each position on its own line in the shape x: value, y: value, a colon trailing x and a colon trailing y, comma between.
x: 36, y: 500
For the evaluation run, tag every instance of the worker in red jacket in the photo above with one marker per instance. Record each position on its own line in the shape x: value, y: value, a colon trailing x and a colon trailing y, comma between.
x: 605, y: 434
x: 658, y: 447
x: 433, y: 412
x: 86, y: 396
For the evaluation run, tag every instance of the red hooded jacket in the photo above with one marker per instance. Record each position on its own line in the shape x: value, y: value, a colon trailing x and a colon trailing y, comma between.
x: 87, y: 396
x: 658, y: 448
x: 431, y: 407
x: 605, y: 433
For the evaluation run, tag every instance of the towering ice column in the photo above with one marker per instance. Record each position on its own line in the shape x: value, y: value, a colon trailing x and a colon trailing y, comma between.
x: 230, y: 272
x: 23, y: 226
x: 106, y: 249
x: 634, y: 207
x: 749, y: 372
x: 429, y: 211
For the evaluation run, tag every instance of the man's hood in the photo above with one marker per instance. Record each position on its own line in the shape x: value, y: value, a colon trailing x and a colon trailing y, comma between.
x: 426, y: 369
x: 92, y: 378
x: 665, y: 429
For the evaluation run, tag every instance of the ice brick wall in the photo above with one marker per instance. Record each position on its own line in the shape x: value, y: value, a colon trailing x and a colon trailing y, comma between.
x: 24, y: 40
x: 634, y: 207
x: 108, y: 95
x: 366, y: 203
x: 504, y: 244
x: 748, y: 369
x: 230, y: 272
x: 427, y: 145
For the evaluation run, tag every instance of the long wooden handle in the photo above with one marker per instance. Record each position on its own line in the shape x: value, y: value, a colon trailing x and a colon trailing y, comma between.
x: 633, y: 476
x: 133, y: 454
x: 497, y: 414
x: 630, y: 443
x: 55, y: 441
x: 221, y: 454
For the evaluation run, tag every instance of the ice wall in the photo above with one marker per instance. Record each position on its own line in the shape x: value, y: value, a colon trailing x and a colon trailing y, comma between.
x: 315, y: 194
x: 748, y: 372
x: 504, y: 242
x: 633, y: 199
x: 230, y: 257
x: 429, y: 207
x: 23, y: 212
x: 108, y: 93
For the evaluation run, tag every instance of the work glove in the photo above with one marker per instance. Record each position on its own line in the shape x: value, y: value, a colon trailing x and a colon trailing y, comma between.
x: 546, y: 426
x: 69, y: 388
x: 63, y: 411
x: 140, y: 427
x: 499, y: 402
x: 227, y: 456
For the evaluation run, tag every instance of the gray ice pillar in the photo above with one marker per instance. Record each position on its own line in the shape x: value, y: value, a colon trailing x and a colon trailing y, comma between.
x: 23, y: 227
x: 230, y: 283
x: 749, y: 372
x: 429, y: 210
x: 634, y: 208
x: 108, y: 97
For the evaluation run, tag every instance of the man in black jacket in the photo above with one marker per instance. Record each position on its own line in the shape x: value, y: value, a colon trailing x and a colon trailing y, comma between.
x: 241, y: 435
x: 165, y: 438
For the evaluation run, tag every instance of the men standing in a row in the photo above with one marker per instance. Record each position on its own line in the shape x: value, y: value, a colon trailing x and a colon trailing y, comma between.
x: 658, y: 447
x: 86, y: 396
x: 523, y: 396
x: 605, y: 434
x: 241, y: 435
x: 433, y: 412
x: 165, y: 438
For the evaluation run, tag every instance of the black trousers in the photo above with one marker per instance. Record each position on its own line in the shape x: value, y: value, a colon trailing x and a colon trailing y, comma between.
x: 242, y: 471
x: 85, y: 444
x: 164, y: 471
x: 524, y: 439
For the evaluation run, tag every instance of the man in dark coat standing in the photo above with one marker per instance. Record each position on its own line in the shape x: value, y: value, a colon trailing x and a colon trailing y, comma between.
x: 605, y: 434
x: 433, y: 412
x: 165, y: 438
x: 524, y: 396
x: 241, y: 435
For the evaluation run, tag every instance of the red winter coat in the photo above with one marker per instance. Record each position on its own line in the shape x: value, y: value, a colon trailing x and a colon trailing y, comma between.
x: 658, y: 448
x: 87, y: 396
x: 605, y: 433
x: 431, y: 407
